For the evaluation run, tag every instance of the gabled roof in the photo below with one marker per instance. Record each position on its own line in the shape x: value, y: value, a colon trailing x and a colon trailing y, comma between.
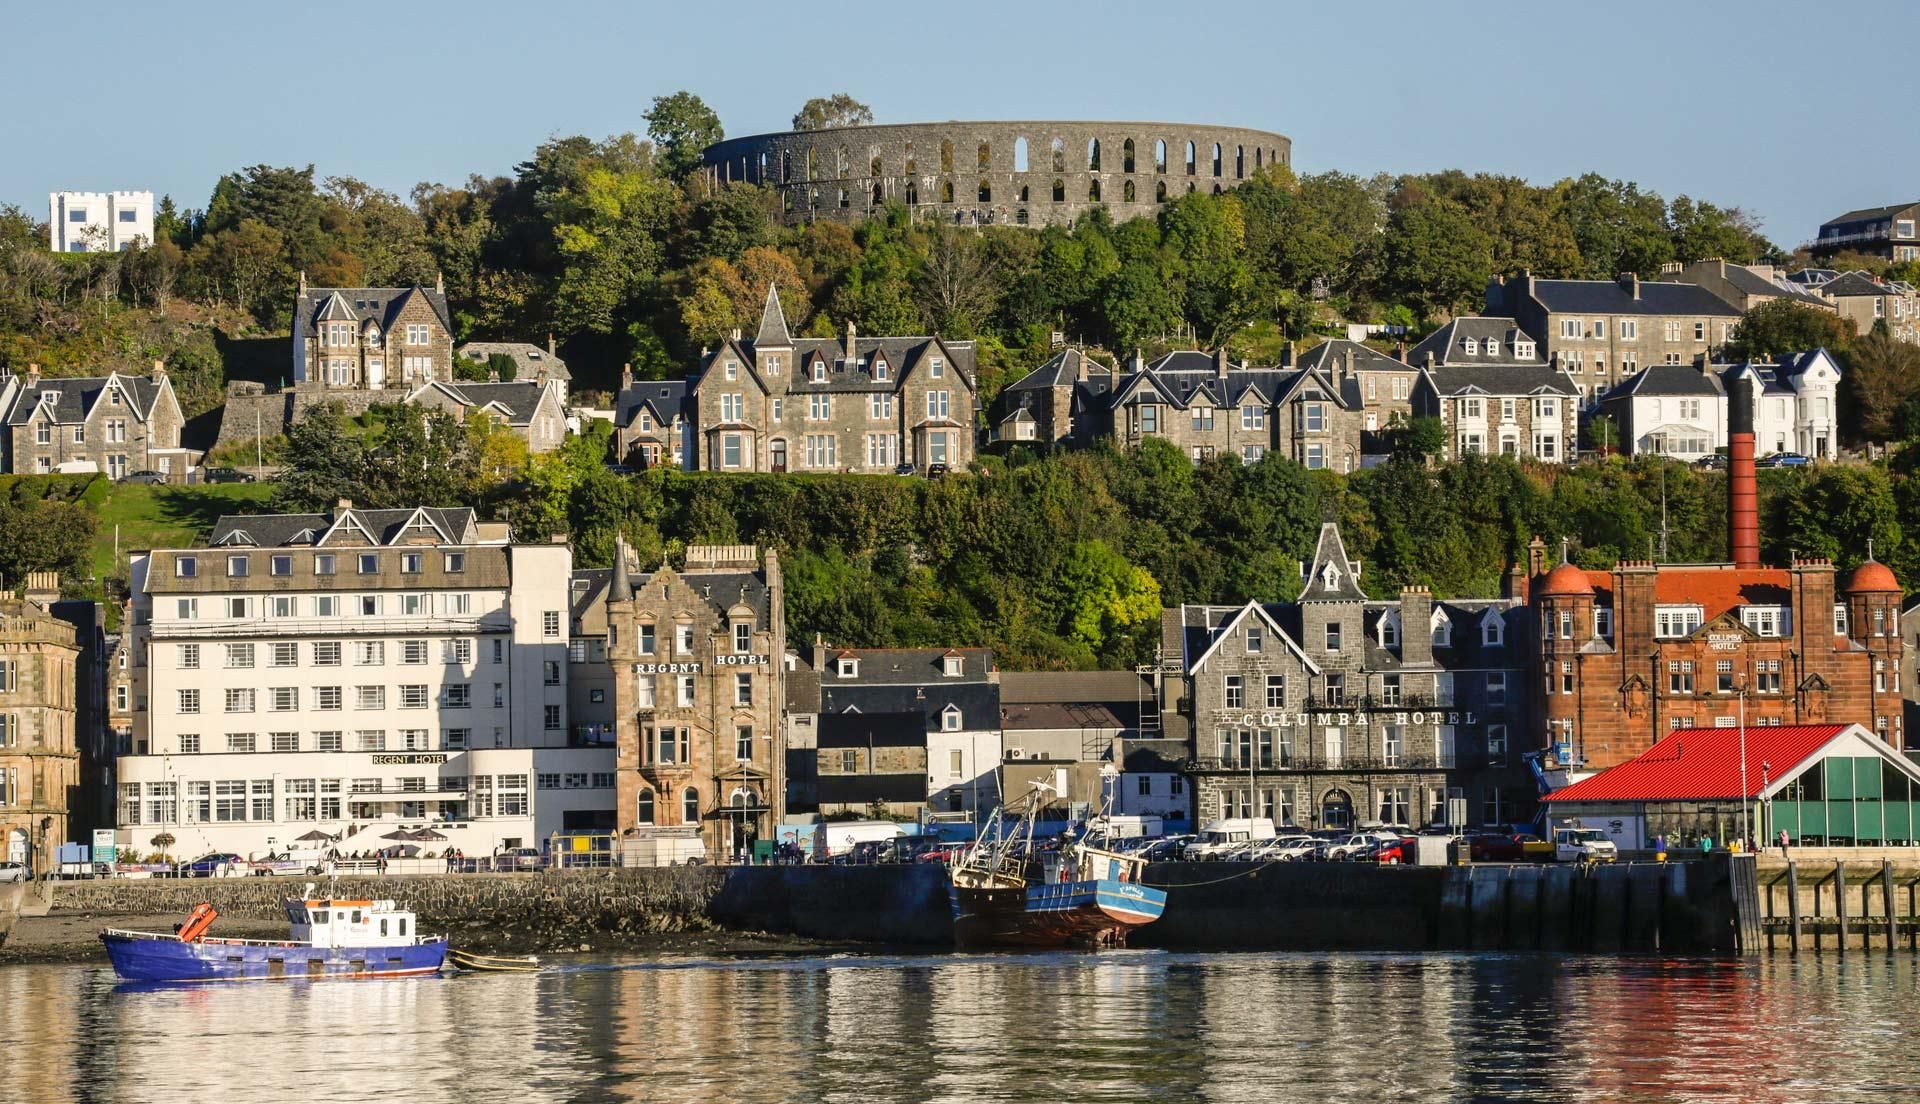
x: 1855, y: 283
x: 1704, y: 764
x: 1669, y: 379
x: 1328, y: 355
x: 1609, y: 297
x: 1715, y: 588
x: 1226, y: 629
x: 73, y: 399
x: 1749, y: 282
x: 381, y: 305
x: 903, y: 356
x: 1510, y: 381
x: 528, y: 360
x: 382, y: 527
x: 664, y: 398
x: 1066, y: 367
x: 516, y: 401
x: 1448, y: 344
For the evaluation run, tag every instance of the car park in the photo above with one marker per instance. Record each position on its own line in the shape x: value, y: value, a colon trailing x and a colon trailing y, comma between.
x: 1712, y: 462
x: 1495, y: 847
x: 13, y: 872
x: 517, y: 858
x: 1167, y: 849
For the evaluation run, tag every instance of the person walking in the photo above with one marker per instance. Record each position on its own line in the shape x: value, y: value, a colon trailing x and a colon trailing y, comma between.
x: 1783, y: 843
x: 1706, y: 846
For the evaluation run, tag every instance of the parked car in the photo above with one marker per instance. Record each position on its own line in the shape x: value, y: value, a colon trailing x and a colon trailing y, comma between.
x: 1286, y: 849
x: 285, y: 866
x: 904, y: 469
x: 1495, y: 847
x: 228, y: 475
x: 156, y: 478
x: 517, y: 858
x: 1350, y: 847
x: 1782, y: 460
x: 1169, y: 849
x: 1715, y: 462
x: 13, y: 872
x: 1584, y: 845
x: 214, y: 864
x: 936, y: 471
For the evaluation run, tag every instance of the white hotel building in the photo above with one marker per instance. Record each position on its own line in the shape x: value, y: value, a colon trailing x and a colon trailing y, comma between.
x: 358, y: 673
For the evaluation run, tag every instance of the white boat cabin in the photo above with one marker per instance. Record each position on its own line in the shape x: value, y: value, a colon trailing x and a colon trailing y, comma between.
x: 334, y: 922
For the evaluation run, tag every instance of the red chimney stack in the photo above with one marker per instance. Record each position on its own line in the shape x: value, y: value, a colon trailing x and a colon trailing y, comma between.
x: 1742, y: 502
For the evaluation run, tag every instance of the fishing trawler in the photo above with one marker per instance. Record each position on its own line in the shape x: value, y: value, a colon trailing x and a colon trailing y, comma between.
x: 331, y: 938
x: 1004, y: 892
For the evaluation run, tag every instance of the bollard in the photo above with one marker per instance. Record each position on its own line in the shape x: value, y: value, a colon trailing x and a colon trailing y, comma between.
x: 1840, y: 901
x: 1886, y: 898
x: 1793, y: 906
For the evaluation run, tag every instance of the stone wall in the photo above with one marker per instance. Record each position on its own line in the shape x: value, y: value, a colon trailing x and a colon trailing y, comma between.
x: 1032, y: 172
x: 254, y: 411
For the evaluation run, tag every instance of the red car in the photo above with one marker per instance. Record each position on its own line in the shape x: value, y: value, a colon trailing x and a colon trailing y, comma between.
x: 1496, y: 847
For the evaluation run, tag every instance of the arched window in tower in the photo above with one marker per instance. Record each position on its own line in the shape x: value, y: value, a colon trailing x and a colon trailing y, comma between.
x: 840, y: 163
x: 986, y: 155
x: 1239, y: 162
x: 986, y: 192
x: 1059, y: 155
x: 1159, y: 155
x: 1093, y: 190
x: 873, y: 161
x: 912, y: 165
x: 913, y: 193
x: 1093, y: 155
x: 1021, y: 216
x: 1025, y: 194
x: 1127, y: 194
x: 761, y: 177
x: 1256, y: 159
x: 879, y: 195
x: 1059, y: 190
x: 690, y: 806
x: 1193, y: 162
x: 643, y: 807
x: 1217, y: 163
x: 946, y: 155
x: 1159, y: 191
x: 1020, y: 154
x: 946, y: 191
x: 812, y: 165
x: 786, y: 165
x: 1126, y: 156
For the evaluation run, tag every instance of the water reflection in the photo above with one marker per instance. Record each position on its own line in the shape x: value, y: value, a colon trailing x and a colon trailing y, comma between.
x: 1134, y: 1025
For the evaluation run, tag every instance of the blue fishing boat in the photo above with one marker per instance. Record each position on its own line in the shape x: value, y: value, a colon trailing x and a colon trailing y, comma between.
x: 1004, y: 892
x: 331, y: 938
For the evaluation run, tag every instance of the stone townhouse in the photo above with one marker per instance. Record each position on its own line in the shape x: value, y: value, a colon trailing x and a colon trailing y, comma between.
x: 1205, y: 405
x: 780, y: 403
x: 650, y: 423
x: 530, y: 362
x: 699, y: 683
x: 1866, y: 300
x: 116, y: 423
x: 535, y: 412
x: 371, y: 339
x: 1890, y: 233
x: 1600, y: 332
x: 1531, y: 413
x: 1337, y: 710
x: 1379, y: 386
x: 937, y: 707
x: 1045, y: 405
x: 55, y: 760
x: 1742, y: 287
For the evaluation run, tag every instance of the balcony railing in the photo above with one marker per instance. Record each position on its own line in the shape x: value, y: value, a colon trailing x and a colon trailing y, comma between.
x: 1279, y: 764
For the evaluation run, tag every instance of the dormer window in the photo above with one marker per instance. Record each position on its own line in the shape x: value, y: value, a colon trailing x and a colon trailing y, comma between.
x: 1493, y: 346
x: 186, y: 567
x: 742, y: 637
x: 1523, y: 350
x: 879, y: 370
x: 1493, y: 631
x: 1442, y: 631
x: 819, y: 371
x: 937, y: 368
x: 951, y: 666
x: 1389, y: 632
x: 733, y: 369
x: 1470, y: 347
x: 848, y: 667
x: 950, y: 719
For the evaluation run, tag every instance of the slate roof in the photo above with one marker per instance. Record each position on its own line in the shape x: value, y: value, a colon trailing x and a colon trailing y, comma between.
x: 1344, y: 584
x: 910, y: 680
x: 1700, y: 764
x: 773, y: 320
x: 1184, y: 388
x: 528, y: 360
x: 859, y: 730
x: 302, y: 530
x: 1073, y: 686
x: 1749, y: 282
x: 1669, y: 379
x: 520, y: 400
x: 1326, y: 355
x: 1608, y: 297
x: 665, y: 398
x: 589, y: 589
x: 861, y: 789
x: 1502, y: 380
x: 1448, y: 343
x: 1855, y: 283
x: 1868, y: 214
x: 74, y: 397
x: 1064, y: 368
x: 361, y: 305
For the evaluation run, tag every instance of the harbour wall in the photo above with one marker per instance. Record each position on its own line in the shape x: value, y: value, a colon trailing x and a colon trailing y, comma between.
x: 1671, y: 907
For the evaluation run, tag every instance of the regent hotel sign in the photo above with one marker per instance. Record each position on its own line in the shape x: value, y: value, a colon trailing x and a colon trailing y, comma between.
x: 695, y: 668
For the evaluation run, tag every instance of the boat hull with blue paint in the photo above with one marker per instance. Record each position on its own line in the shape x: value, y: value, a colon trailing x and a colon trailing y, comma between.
x: 1098, y: 912
x: 151, y: 956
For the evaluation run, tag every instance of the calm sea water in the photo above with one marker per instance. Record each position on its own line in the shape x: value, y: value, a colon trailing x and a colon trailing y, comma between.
x: 1129, y: 1025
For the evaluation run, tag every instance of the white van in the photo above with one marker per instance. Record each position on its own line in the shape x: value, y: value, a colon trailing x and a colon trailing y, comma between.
x: 1221, y: 836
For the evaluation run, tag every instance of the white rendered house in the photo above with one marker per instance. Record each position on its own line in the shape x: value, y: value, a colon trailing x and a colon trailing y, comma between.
x: 356, y: 673
x: 1794, y: 404
x: 99, y: 222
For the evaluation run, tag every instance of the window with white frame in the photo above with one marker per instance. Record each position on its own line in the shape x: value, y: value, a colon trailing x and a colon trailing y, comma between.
x: 1671, y: 622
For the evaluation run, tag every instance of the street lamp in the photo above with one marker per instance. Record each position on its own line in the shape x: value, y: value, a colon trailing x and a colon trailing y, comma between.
x: 1746, y: 825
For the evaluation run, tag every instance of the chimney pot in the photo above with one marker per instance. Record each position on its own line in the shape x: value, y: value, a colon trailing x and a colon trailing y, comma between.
x: 343, y: 504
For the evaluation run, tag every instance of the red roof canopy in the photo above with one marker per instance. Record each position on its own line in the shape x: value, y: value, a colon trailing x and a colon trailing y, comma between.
x: 1703, y: 764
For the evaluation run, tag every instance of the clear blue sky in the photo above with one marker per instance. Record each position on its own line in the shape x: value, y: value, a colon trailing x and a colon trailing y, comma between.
x: 1751, y: 104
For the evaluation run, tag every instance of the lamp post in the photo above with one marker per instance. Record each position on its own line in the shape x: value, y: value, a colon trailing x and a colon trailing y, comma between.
x: 1746, y: 825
